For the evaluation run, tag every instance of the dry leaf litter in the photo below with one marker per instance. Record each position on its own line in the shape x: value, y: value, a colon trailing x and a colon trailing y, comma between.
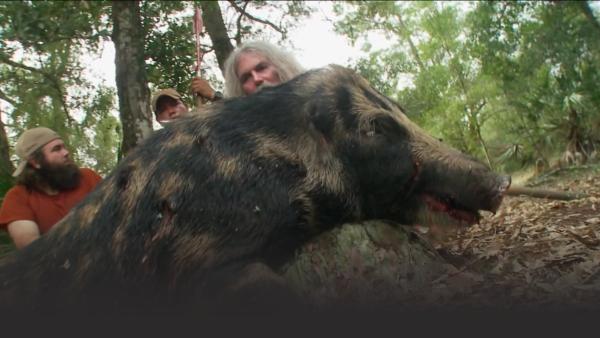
x: 532, y: 251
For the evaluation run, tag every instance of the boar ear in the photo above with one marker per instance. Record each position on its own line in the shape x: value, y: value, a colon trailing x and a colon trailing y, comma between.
x: 321, y: 116
x: 324, y: 108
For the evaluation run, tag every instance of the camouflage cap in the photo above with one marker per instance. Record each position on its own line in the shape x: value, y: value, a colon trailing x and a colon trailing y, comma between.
x: 30, y: 141
x: 170, y: 92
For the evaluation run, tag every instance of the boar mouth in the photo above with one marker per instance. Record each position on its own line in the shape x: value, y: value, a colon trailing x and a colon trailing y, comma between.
x: 451, y: 207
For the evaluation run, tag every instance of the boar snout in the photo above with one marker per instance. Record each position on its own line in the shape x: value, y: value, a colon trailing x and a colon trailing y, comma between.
x: 502, y: 185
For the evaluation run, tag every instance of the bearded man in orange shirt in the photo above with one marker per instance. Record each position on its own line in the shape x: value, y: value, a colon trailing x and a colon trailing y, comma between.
x: 48, y: 185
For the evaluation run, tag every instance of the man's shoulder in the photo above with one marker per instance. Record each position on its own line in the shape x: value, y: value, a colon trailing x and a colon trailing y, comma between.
x: 17, y: 194
x: 17, y: 189
x: 90, y: 175
x: 89, y: 171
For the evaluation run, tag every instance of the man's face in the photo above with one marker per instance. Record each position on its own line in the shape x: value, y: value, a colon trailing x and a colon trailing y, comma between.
x: 255, y: 70
x: 170, y: 109
x: 55, y: 153
x: 57, y: 168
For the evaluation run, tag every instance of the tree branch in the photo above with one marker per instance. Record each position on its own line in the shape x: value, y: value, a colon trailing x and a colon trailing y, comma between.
x: 253, y: 18
x: 207, y: 49
x: 5, y: 97
x: 545, y: 193
x: 403, y: 31
x: 482, y: 104
x: 47, y: 76
x: 74, y: 37
x: 9, y: 62
x: 238, y: 33
x: 215, y: 27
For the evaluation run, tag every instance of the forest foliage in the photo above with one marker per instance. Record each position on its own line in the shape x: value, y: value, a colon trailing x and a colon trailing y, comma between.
x: 512, y: 83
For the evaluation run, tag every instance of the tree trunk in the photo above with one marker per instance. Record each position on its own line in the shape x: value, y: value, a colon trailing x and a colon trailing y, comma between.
x: 213, y: 21
x: 6, y: 166
x: 132, y: 84
x: 575, y: 152
x: 589, y: 14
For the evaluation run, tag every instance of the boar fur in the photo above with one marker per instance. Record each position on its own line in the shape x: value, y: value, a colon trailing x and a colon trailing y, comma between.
x: 209, y: 200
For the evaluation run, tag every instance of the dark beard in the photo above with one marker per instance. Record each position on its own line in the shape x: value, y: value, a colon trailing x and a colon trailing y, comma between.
x: 60, y: 177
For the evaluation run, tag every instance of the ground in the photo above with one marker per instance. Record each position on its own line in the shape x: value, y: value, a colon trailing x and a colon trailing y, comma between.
x: 532, y: 251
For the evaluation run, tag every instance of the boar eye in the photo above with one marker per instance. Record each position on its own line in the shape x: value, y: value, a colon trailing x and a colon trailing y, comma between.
x: 372, y: 130
x: 385, y: 125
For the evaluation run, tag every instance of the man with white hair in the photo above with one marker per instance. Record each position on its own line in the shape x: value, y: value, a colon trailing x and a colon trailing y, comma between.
x: 48, y: 185
x: 250, y: 67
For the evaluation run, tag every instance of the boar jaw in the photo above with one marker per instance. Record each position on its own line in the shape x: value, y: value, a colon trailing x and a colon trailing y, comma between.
x: 450, y: 207
x: 443, y: 209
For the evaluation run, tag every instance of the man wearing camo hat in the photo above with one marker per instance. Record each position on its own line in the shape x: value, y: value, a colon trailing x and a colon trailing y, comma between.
x: 167, y: 104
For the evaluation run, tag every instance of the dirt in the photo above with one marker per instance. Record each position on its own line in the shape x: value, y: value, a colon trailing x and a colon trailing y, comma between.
x: 532, y: 251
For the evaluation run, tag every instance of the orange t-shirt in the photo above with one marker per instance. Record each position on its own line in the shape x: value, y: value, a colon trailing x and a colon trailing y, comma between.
x: 46, y: 210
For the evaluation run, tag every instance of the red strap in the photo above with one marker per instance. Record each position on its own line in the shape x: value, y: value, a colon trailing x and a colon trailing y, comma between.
x: 198, y: 25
